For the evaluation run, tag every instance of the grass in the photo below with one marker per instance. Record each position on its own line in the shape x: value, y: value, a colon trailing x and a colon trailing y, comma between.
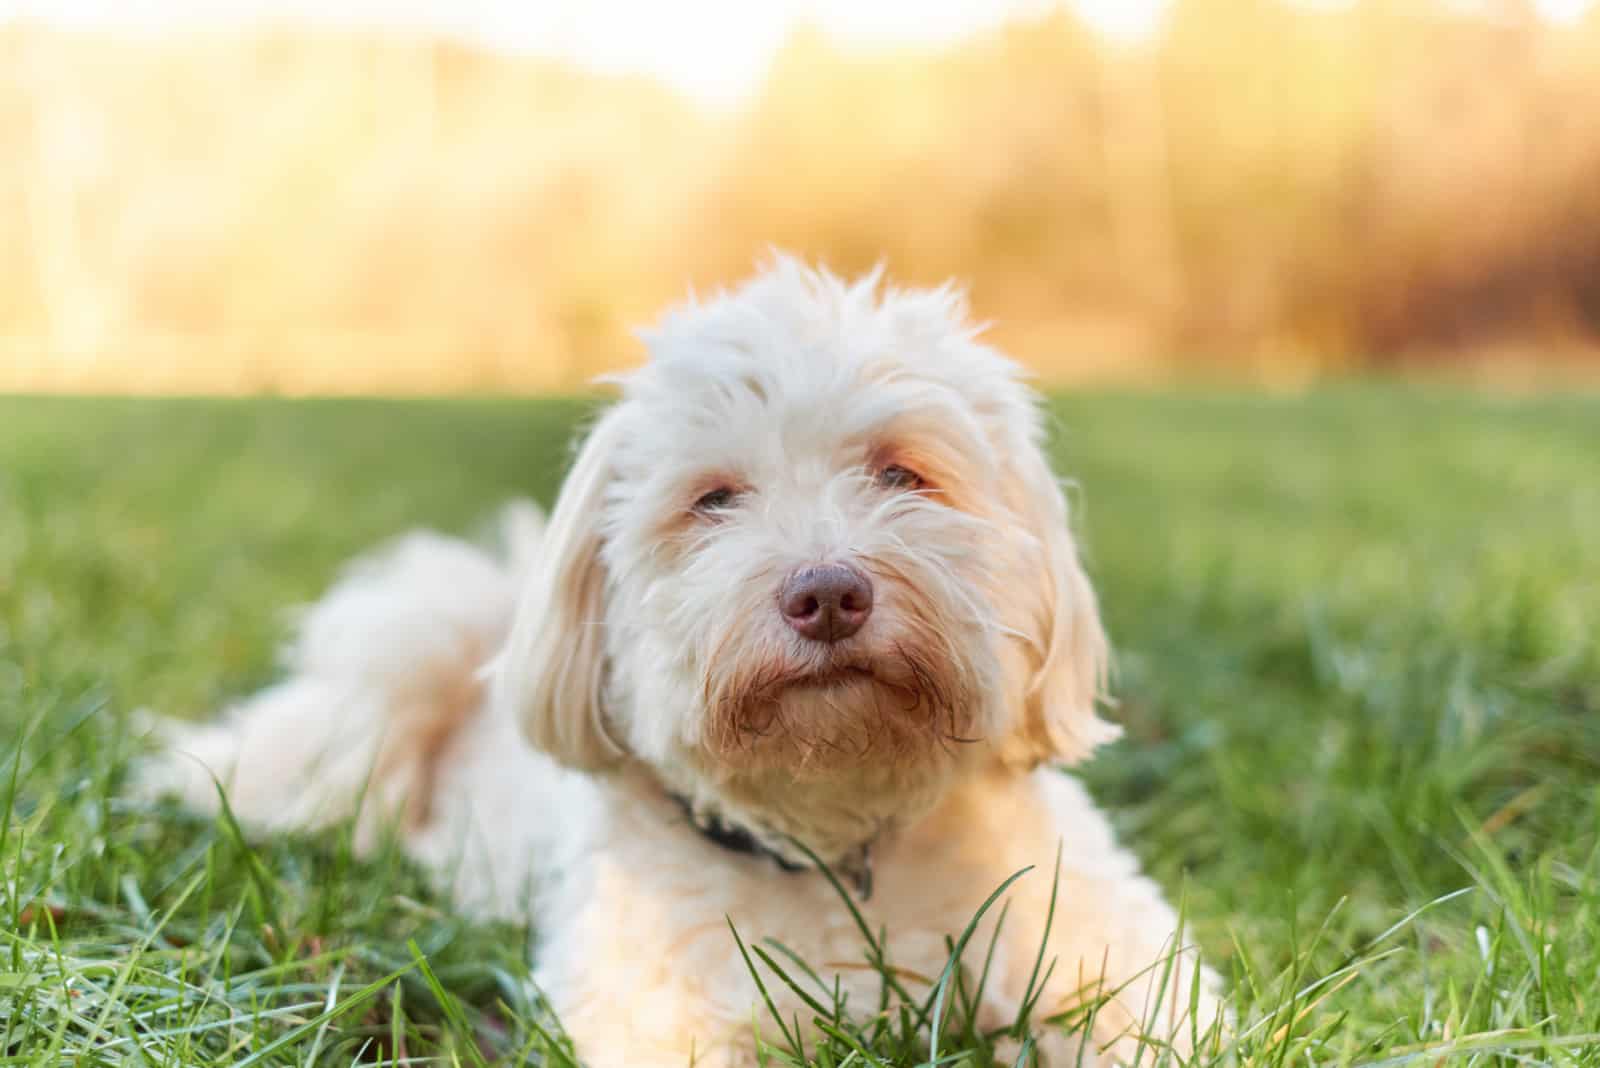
x: 1358, y: 664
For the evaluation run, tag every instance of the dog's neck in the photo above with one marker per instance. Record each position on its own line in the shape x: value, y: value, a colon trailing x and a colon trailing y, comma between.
x: 838, y: 821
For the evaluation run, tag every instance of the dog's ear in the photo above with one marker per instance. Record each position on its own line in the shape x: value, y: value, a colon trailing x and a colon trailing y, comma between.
x: 1068, y: 655
x: 551, y: 671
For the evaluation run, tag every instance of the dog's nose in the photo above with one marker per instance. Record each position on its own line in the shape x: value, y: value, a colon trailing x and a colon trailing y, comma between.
x: 826, y: 604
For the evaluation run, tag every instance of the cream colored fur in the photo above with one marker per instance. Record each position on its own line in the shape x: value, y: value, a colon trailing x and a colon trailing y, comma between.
x: 637, y: 645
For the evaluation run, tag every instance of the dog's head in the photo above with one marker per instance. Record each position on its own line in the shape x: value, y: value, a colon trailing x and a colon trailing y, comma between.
x: 813, y: 557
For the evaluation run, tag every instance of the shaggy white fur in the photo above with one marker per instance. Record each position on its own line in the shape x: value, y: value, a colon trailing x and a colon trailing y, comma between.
x: 640, y: 644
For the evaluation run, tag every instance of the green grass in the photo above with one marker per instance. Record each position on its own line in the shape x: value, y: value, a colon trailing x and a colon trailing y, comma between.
x: 1358, y: 664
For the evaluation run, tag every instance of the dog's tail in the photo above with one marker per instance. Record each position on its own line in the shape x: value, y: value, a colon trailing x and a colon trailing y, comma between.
x: 382, y: 672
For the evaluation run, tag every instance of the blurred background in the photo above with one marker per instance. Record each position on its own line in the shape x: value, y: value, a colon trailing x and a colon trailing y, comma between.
x: 252, y: 196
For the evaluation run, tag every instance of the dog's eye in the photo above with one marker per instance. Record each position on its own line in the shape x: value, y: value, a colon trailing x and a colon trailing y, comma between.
x: 716, y: 500
x: 900, y: 478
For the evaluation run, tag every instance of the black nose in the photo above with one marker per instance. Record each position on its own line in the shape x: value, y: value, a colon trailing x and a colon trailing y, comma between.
x: 826, y: 603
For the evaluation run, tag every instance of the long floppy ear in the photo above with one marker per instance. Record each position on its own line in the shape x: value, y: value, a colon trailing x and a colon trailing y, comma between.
x: 551, y: 671
x: 1067, y: 673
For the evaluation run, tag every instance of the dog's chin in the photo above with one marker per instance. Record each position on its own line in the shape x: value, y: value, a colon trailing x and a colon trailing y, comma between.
x: 841, y: 717
x: 832, y: 754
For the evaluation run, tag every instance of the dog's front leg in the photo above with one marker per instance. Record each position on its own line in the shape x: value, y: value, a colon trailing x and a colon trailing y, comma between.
x: 1120, y: 957
x: 664, y: 1026
x: 636, y: 959
x: 645, y: 1017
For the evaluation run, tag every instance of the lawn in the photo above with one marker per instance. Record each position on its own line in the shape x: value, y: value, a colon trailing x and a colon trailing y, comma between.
x: 1358, y: 664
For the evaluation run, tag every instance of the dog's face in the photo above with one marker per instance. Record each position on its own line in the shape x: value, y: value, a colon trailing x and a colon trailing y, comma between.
x: 814, y: 556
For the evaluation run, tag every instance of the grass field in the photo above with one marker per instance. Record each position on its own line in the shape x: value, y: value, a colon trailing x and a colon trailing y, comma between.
x: 1358, y: 664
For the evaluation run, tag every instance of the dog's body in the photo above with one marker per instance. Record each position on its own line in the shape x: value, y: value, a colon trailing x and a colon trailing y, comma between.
x: 810, y: 582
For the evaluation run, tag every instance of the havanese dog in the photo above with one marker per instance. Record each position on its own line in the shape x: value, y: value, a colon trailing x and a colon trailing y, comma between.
x: 808, y: 595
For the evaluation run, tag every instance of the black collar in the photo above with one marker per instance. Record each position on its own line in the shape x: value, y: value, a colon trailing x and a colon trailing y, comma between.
x: 732, y: 837
x: 736, y: 839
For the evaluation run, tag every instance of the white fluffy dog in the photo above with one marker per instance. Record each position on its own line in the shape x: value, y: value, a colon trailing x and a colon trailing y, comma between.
x: 811, y: 581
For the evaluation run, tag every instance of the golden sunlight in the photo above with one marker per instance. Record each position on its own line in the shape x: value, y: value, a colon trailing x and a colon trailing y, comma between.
x: 456, y: 195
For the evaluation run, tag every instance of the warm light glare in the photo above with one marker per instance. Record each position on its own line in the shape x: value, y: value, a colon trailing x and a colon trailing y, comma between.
x: 1123, y: 20
x: 717, y: 51
x: 1555, y: 12
x: 1564, y: 12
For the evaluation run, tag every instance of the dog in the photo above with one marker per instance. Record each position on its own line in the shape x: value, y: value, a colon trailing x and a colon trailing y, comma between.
x: 808, y: 596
